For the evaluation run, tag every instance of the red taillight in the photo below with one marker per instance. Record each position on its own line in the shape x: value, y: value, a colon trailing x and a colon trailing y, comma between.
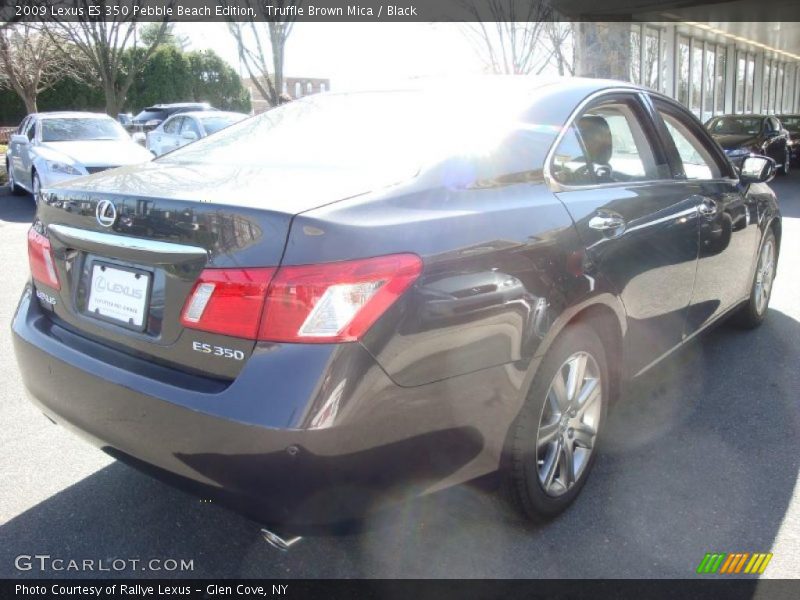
x: 40, y: 256
x: 333, y: 302
x: 228, y: 301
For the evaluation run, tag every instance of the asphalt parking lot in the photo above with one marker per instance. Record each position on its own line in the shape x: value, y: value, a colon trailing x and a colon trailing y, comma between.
x: 701, y: 456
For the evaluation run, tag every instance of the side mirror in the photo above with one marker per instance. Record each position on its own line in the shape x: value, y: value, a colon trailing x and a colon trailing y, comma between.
x: 152, y: 124
x: 18, y: 138
x: 757, y: 169
x: 189, y: 136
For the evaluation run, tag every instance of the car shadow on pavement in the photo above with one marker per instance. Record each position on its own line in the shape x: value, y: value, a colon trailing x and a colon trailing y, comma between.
x: 16, y: 209
x: 698, y: 457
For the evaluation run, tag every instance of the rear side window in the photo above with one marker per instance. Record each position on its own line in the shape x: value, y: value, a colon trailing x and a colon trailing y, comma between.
x: 173, y: 125
x: 570, y: 165
x: 616, y: 144
x: 697, y: 160
x: 190, y: 125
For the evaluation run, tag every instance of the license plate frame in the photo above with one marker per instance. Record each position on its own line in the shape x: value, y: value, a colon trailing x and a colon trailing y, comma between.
x: 99, y: 266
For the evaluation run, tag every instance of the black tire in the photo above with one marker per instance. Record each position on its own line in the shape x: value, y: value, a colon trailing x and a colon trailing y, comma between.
x: 523, y: 483
x: 15, y: 189
x: 784, y: 168
x: 749, y: 316
x: 36, y: 184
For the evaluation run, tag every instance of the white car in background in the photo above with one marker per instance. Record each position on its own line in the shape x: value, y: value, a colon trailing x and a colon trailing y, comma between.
x: 52, y: 147
x: 183, y: 128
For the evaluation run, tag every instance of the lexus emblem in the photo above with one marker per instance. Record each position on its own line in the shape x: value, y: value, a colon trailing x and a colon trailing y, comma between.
x: 106, y: 213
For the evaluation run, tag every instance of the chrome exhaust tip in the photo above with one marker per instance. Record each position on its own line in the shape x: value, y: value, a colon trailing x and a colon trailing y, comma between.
x: 276, y: 541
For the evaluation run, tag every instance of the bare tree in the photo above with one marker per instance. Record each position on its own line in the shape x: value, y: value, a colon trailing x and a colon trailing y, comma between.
x: 111, y: 49
x: 561, y: 42
x: 264, y: 63
x: 31, y: 61
x: 510, y: 35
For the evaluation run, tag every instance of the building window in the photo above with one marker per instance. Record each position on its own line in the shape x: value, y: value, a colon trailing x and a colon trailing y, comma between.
x: 652, y: 57
x: 741, y: 67
x: 298, y: 89
x: 682, y: 87
x: 709, y: 75
x: 779, y: 87
x: 696, y: 88
x: 719, y: 93
x: 636, y: 56
x: 750, y: 83
x: 309, y: 88
x: 323, y: 87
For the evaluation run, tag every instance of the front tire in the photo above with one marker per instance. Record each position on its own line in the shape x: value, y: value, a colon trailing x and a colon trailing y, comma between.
x: 36, y: 187
x: 554, y: 438
x: 754, y: 311
x: 787, y: 162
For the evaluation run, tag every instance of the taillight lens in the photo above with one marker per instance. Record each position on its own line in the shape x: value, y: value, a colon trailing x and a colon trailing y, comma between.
x: 335, y: 302
x: 40, y: 256
x: 228, y: 301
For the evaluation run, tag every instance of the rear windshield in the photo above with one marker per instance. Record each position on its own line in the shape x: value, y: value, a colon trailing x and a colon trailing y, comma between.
x: 213, y: 124
x: 791, y: 123
x: 735, y: 125
x: 65, y: 130
x: 379, y: 137
x: 150, y: 114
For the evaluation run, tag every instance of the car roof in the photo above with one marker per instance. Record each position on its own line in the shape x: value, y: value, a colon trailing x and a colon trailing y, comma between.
x: 69, y: 114
x: 176, y: 105
x: 208, y: 114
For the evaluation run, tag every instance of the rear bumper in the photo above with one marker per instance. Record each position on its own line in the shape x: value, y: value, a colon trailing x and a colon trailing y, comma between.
x: 304, y: 435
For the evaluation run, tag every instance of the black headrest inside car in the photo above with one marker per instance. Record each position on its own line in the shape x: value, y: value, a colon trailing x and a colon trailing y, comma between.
x: 596, y: 136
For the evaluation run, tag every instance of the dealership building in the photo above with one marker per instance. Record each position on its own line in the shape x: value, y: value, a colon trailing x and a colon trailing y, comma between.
x: 710, y: 64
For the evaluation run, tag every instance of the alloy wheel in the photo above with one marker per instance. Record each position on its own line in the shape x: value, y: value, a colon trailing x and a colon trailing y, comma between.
x: 765, y: 275
x: 568, y: 425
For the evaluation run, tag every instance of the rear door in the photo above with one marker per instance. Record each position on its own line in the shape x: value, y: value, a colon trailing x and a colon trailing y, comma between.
x: 638, y: 224
x: 189, y: 131
x: 24, y: 175
x: 168, y: 140
x: 14, y: 158
x: 728, y: 219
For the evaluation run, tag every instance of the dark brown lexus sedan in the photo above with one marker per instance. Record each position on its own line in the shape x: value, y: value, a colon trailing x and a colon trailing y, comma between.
x: 359, y: 297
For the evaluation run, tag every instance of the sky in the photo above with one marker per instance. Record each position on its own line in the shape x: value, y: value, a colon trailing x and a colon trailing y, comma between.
x: 357, y: 54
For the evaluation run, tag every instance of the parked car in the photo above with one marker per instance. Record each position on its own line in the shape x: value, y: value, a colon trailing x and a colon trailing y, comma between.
x: 792, y: 124
x: 178, y: 130
x: 359, y: 297
x: 152, y: 116
x: 743, y: 135
x: 52, y: 147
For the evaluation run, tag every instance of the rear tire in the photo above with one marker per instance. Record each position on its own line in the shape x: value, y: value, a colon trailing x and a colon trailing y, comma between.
x: 15, y: 189
x: 754, y: 311
x: 553, y: 442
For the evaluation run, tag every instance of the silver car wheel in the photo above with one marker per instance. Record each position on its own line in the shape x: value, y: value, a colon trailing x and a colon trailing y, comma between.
x: 765, y: 275
x: 568, y: 425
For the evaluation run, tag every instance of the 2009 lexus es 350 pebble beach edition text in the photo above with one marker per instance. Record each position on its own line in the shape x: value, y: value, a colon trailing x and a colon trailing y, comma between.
x: 360, y: 297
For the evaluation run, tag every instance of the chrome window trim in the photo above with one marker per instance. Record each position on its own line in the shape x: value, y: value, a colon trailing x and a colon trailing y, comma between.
x: 556, y: 187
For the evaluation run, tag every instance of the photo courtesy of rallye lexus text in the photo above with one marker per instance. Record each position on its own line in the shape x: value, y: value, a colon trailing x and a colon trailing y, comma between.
x: 357, y: 298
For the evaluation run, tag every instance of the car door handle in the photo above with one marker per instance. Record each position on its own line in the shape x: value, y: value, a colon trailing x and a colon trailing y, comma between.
x: 707, y: 208
x: 607, y: 222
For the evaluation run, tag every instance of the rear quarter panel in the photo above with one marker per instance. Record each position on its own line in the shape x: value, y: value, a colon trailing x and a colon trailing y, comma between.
x: 497, y: 272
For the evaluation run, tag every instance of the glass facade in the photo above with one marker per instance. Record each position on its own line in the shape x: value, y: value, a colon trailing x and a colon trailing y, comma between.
x: 712, y: 75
